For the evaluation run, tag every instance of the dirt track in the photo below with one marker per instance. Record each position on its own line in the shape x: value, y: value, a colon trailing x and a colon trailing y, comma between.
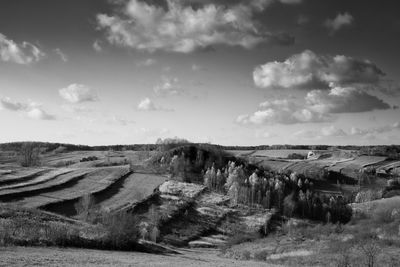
x: 34, y: 256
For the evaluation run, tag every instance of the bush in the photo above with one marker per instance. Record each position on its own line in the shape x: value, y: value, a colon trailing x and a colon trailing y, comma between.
x: 29, y: 154
x: 90, y: 158
x: 261, y: 255
x: 122, y: 230
x: 296, y: 156
x: 245, y: 255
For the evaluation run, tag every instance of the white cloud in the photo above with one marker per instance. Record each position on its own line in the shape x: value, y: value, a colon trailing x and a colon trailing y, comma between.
x: 196, y: 67
x: 31, y: 109
x: 324, y: 132
x: 282, y: 112
x: 97, y: 46
x: 375, y: 130
x: 146, y: 104
x: 24, y: 53
x: 168, y: 87
x: 61, y: 54
x: 308, y: 70
x: 121, y: 121
x: 181, y: 28
x: 340, y: 21
x: 77, y: 93
x: 9, y: 104
x: 76, y: 109
x: 332, y: 131
x: 147, y: 62
x: 38, y: 113
x: 343, y: 100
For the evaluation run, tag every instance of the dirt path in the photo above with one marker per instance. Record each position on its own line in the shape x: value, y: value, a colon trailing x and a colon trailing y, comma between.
x: 34, y: 256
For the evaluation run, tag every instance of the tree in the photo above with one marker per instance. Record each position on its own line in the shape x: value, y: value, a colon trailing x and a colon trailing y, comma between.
x: 29, y: 154
x: 371, y: 250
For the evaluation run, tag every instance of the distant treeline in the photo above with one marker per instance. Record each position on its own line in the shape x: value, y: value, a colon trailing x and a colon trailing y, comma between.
x: 391, y: 151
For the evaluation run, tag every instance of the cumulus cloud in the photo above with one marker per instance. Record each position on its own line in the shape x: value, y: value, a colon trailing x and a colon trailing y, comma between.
x: 168, y: 87
x: 196, y: 67
x: 343, y: 100
x: 146, y: 104
x: 282, y: 112
x: 375, y: 130
x: 38, y: 113
x: 340, y: 21
x: 97, y: 46
x: 318, y: 106
x: 24, y: 53
x: 147, y: 62
x: 31, y: 109
x: 61, y: 54
x: 179, y: 27
x: 327, y: 131
x: 77, y: 93
x: 333, y: 131
x: 308, y: 70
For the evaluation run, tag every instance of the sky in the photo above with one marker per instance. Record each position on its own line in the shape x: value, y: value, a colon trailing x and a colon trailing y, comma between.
x: 229, y: 72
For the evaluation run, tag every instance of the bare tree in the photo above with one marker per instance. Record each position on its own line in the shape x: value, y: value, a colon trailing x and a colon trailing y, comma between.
x: 85, y: 207
x: 29, y: 154
x: 371, y: 250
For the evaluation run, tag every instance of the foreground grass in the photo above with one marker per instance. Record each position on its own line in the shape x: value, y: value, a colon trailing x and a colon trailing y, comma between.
x: 30, y: 227
x: 371, y: 238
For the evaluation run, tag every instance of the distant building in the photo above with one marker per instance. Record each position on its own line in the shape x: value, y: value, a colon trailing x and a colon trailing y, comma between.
x: 311, y: 155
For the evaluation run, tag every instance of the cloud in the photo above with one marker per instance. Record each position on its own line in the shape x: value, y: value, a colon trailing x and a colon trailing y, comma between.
x: 196, y: 67
x: 290, y: 2
x: 375, y: 130
x: 333, y: 131
x: 147, y: 104
x: 38, y: 113
x: 121, y: 121
x: 282, y: 112
x: 302, y: 19
x: 76, y: 109
x: 318, y: 106
x: 328, y: 131
x: 308, y: 70
x: 340, y: 21
x: 97, y: 46
x: 61, y: 54
x: 147, y: 62
x: 31, y: 109
x: 9, y: 104
x: 77, y: 93
x: 180, y: 27
x: 343, y: 100
x: 24, y: 53
x: 168, y: 87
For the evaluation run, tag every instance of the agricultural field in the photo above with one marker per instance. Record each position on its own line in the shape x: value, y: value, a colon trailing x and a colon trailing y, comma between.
x: 63, y: 178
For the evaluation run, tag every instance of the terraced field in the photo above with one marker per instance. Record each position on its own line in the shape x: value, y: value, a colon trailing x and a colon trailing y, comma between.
x: 135, y: 187
x: 63, y: 178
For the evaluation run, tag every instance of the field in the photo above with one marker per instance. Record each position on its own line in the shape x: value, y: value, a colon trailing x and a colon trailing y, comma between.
x: 63, y: 178
x: 188, y: 217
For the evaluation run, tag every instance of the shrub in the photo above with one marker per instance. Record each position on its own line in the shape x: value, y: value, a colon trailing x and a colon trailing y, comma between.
x: 85, y: 208
x: 371, y: 250
x: 296, y: 156
x: 245, y: 255
x: 29, y: 154
x: 122, y: 230
x: 261, y: 255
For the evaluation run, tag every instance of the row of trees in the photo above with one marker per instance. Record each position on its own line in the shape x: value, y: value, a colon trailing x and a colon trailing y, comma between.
x: 290, y: 194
